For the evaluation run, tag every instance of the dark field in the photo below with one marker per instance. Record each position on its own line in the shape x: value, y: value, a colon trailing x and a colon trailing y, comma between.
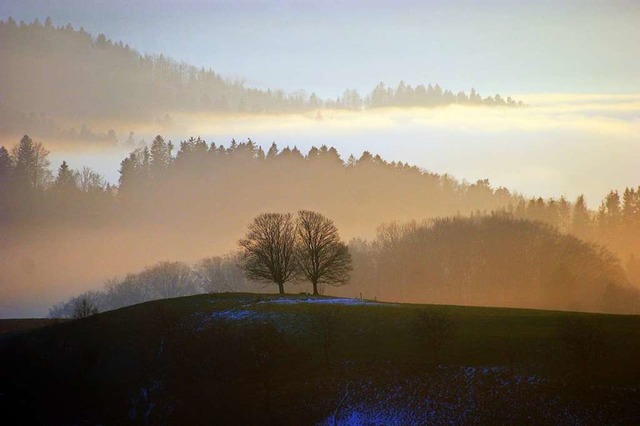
x: 8, y: 326
x: 245, y: 359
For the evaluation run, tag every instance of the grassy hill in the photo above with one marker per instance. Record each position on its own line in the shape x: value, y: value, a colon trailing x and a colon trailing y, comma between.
x: 248, y: 359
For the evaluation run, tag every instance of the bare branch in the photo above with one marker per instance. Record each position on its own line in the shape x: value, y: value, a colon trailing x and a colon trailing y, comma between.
x: 269, y: 249
x: 322, y: 257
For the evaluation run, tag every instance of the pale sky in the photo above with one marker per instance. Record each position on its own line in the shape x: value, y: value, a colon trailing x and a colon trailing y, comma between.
x: 507, y: 47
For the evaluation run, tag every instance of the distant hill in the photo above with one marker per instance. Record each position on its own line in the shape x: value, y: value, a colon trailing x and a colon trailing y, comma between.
x: 260, y: 359
x: 48, y: 71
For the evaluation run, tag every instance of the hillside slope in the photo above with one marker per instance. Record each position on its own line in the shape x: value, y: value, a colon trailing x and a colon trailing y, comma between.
x: 247, y: 359
x: 60, y: 72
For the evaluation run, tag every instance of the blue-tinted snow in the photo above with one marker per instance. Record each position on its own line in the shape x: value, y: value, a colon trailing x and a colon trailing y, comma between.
x: 332, y: 301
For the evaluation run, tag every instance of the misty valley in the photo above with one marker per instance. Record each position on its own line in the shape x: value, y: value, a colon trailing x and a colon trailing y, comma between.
x: 180, y: 245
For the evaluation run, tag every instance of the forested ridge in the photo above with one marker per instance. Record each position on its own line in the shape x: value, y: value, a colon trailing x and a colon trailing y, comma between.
x: 195, y: 203
x: 53, y: 72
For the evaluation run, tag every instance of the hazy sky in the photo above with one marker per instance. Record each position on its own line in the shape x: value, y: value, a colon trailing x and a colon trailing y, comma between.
x: 325, y: 46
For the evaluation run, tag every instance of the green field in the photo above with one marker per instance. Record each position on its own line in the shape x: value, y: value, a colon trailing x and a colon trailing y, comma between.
x: 248, y: 358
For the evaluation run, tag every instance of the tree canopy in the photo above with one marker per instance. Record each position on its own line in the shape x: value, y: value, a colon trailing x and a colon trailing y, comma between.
x: 269, y: 249
x: 323, y: 258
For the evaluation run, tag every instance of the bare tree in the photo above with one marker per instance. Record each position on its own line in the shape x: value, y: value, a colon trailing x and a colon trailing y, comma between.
x: 322, y: 257
x: 84, y: 308
x: 88, y: 180
x: 81, y: 306
x: 167, y: 279
x: 217, y: 274
x: 269, y: 249
x: 31, y: 164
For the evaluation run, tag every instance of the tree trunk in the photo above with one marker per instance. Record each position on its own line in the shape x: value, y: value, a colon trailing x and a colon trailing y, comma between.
x: 281, y: 288
x: 315, y: 288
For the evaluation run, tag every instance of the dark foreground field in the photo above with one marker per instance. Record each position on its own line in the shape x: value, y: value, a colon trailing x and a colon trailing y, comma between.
x: 256, y: 359
x: 10, y: 326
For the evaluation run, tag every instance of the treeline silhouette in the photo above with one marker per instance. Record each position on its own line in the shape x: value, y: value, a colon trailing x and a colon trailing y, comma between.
x: 43, y: 125
x: 492, y: 260
x: 160, y: 281
x: 615, y: 224
x: 432, y: 95
x: 69, y: 73
x: 196, y: 203
x: 203, y: 180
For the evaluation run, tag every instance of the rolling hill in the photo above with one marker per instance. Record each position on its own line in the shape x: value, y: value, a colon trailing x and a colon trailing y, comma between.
x: 246, y: 358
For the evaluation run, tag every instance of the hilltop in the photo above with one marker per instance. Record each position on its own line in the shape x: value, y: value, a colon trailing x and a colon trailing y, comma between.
x: 246, y: 358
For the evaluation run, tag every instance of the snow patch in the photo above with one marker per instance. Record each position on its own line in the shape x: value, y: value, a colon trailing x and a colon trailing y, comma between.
x: 235, y: 315
x: 332, y: 301
x: 281, y: 320
x: 446, y: 396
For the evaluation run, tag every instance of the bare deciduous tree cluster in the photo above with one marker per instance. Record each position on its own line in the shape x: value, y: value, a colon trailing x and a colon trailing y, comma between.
x: 279, y: 249
x: 160, y: 281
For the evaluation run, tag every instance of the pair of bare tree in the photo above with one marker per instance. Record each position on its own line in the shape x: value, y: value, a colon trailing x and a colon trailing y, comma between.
x: 278, y: 249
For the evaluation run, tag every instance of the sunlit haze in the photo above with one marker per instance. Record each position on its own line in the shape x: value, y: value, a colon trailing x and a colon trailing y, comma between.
x: 561, y: 144
x: 540, y: 98
x: 327, y: 212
